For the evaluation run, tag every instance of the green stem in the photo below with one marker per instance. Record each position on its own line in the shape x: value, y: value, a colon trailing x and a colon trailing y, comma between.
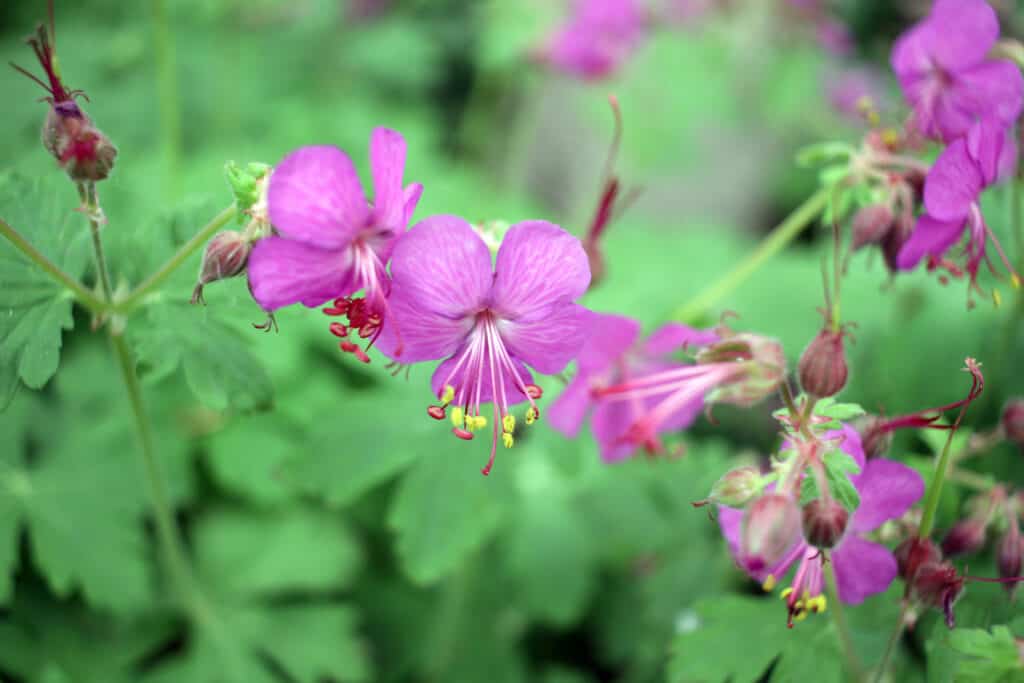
x: 931, y: 503
x: 170, y: 106
x: 853, y: 663
x: 156, y: 279
x: 91, y: 205
x: 776, y: 240
x: 83, y: 295
x: 890, y: 647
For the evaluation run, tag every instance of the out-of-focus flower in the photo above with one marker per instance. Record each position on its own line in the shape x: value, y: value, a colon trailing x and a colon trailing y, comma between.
x: 596, y: 39
x: 887, y: 490
x: 855, y: 93
x: 943, y: 67
x: 488, y: 323
x: 612, y: 355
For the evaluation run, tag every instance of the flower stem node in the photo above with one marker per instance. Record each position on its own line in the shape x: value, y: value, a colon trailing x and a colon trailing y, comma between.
x: 824, y: 522
x: 822, y: 368
x: 771, y: 526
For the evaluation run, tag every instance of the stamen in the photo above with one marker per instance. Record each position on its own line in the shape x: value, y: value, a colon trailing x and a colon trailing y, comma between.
x: 463, y: 434
x: 436, y: 412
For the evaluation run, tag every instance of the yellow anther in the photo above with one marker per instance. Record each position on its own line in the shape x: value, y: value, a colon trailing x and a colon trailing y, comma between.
x: 800, y: 617
x: 769, y: 583
x: 474, y: 422
x: 997, y: 298
x: 508, y: 440
x: 457, y: 416
x: 1015, y: 280
x: 531, y: 415
x: 448, y: 395
x: 806, y: 596
x: 822, y: 604
x: 508, y: 424
x: 890, y: 137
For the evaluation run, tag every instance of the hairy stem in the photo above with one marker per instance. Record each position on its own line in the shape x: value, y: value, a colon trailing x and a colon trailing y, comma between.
x: 91, y: 205
x: 853, y: 663
x: 170, y: 105
x: 931, y: 502
x: 83, y: 295
x: 156, y: 279
x: 776, y: 240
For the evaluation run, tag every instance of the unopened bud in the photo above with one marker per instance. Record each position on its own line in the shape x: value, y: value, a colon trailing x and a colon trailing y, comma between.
x: 913, y: 554
x: 870, y: 225
x: 965, y: 537
x: 875, y: 439
x: 824, y: 522
x: 764, y: 366
x: 937, y: 585
x: 81, y: 149
x: 897, y: 237
x: 771, y: 526
x: 1008, y: 555
x: 1013, y: 421
x: 226, y: 255
x: 735, y: 488
x: 822, y: 368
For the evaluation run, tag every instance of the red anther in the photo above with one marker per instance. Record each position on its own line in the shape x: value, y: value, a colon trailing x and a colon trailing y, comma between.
x: 333, y: 311
x: 374, y: 320
x: 348, y: 347
x: 534, y: 391
x: 463, y: 434
x: 339, y: 330
x: 436, y: 412
x: 341, y: 303
x: 361, y: 355
x: 367, y: 331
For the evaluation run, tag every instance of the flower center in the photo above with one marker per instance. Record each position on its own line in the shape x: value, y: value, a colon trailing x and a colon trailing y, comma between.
x: 364, y: 315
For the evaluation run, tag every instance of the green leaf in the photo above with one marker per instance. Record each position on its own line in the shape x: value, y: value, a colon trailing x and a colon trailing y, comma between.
x: 34, y: 309
x: 300, y: 549
x: 839, y: 465
x: 820, y: 152
x: 219, y: 367
x: 843, y: 412
x: 987, y: 657
x: 816, y: 656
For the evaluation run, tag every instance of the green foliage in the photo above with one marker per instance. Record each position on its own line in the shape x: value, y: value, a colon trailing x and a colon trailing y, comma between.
x: 839, y: 466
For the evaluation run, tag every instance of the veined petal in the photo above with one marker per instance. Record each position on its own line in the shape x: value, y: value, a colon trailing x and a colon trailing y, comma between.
x: 443, y: 267
x: 411, y: 333
x: 386, y: 246
x: 548, y: 339
x: 953, y: 183
x: 464, y: 375
x: 930, y: 236
x: 862, y: 569
x: 887, y: 490
x: 387, y: 162
x: 674, y: 337
x: 315, y: 197
x: 538, y: 265
x: 567, y: 412
x: 608, y: 337
x: 283, y: 272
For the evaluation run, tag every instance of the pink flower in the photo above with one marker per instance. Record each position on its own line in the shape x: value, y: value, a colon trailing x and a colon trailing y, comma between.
x: 331, y: 241
x: 863, y: 568
x: 597, y: 38
x: 487, y: 323
x: 612, y: 355
x: 943, y: 67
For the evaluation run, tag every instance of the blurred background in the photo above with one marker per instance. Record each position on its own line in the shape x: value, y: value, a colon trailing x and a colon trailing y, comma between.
x: 338, y: 533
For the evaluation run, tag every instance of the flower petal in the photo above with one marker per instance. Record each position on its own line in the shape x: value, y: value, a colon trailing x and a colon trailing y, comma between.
x: 676, y: 336
x: 887, y: 490
x: 953, y: 183
x: 610, y: 424
x: 567, y: 412
x: 450, y: 373
x: 538, y: 265
x: 962, y: 32
x: 315, y: 197
x: 412, y: 333
x: 930, y: 236
x: 283, y: 272
x: 608, y: 337
x: 443, y: 267
x: 993, y: 89
x: 862, y: 568
x: 548, y: 339
x: 387, y: 162
x: 730, y: 521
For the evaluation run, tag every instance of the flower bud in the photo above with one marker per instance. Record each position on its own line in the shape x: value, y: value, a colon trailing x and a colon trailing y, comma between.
x: 824, y: 522
x: 226, y: 255
x: 936, y: 584
x: 1013, y: 421
x: 897, y: 237
x: 735, y: 488
x: 965, y: 537
x: 81, y: 149
x: 913, y: 554
x: 1008, y: 555
x: 771, y: 525
x: 822, y: 366
x: 870, y: 225
x: 875, y: 439
x: 764, y: 366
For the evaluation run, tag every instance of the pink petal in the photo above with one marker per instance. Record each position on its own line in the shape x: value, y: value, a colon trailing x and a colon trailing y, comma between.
x: 953, y: 183
x: 411, y: 197
x: 962, y: 33
x: 283, y: 272
x: 412, y: 333
x: 443, y: 376
x: 929, y: 237
x: 387, y: 162
x: 862, y: 569
x: 730, y: 521
x: 887, y: 490
x: 548, y: 339
x: 674, y: 337
x: 985, y: 143
x: 567, y: 412
x: 851, y: 443
x: 610, y: 424
x: 608, y: 337
x: 538, y: 265
x: 315, y: 197
x: 992, y: 89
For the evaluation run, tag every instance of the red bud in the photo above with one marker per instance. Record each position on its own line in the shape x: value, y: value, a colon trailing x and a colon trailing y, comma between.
x: 226, y: 255
x: 871, y: 224
x: 937, y: 585
x: 771, y: 525
x: 822, y: 368
x: 1013, y: 421
x: 965, y: 537
x: 824, y: 522
x: 913, y: 554
x: 1008, y: 555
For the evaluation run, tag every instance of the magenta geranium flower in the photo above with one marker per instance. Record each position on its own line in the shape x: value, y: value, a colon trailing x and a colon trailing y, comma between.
x: 863, y: 568
x: 612, y: 355
x: 488, y: 323
x: 962, y: 171
x: 943, y: 67
x: 331, y: 241
x: 597, y: 38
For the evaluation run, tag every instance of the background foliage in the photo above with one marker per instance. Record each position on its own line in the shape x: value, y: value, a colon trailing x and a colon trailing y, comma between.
x: 336, y: 532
